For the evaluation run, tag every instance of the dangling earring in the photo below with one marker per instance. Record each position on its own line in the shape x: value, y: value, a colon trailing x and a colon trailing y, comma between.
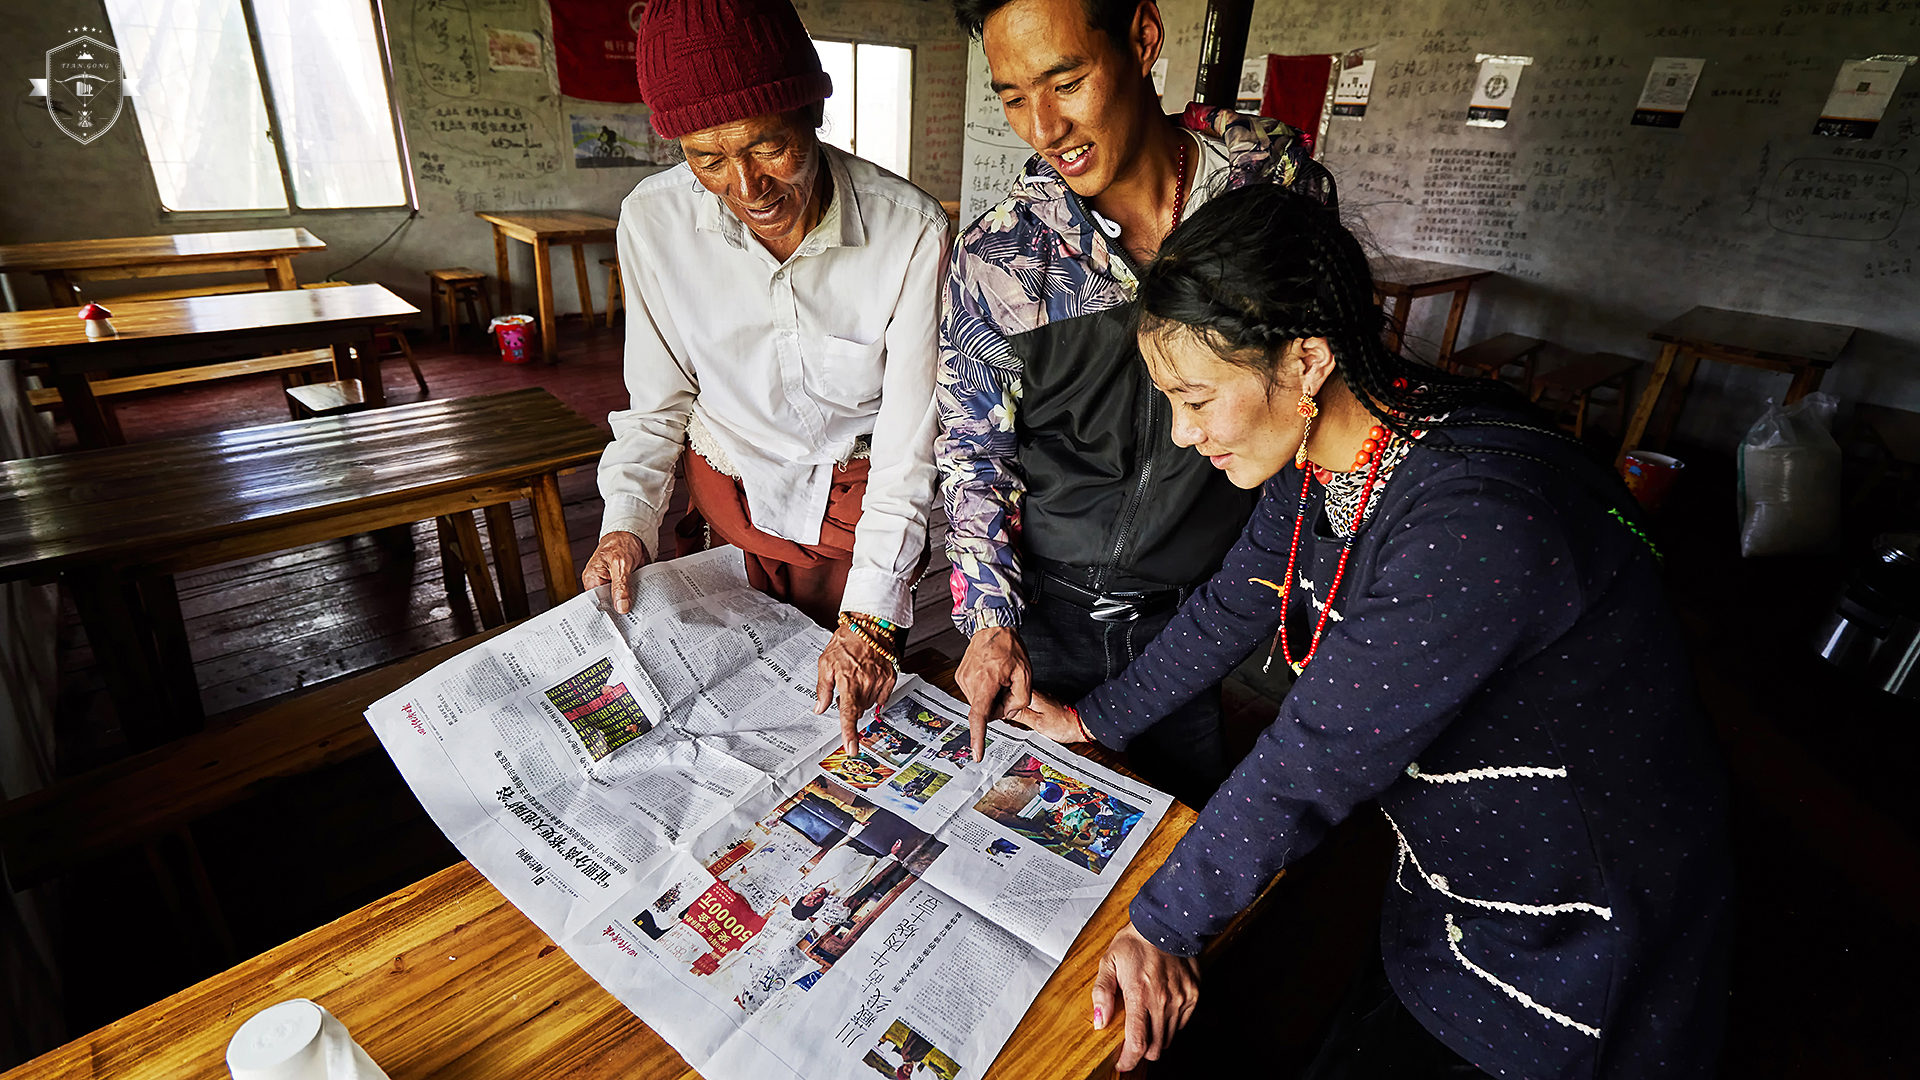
x: 1309, y: 408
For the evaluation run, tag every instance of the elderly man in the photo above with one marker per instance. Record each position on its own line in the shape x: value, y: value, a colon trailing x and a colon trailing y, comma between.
x: 783, y: 320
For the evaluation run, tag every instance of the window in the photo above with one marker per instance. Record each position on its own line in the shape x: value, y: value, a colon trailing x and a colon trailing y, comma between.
x: 262, y: 104
x: 871, y: 110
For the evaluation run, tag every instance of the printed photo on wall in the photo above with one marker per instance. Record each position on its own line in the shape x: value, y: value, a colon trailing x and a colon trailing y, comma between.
x: 512, y: 50
x: 618, y: 141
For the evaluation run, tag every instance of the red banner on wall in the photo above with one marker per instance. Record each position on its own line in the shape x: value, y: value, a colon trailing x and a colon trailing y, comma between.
x: 593, y: 48
x: 1299, y: 91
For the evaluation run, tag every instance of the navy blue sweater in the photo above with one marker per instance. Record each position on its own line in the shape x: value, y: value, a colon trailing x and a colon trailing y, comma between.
x: 1505, y: 678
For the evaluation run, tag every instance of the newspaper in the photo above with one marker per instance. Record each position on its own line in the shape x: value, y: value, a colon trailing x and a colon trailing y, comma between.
x: 655, y: 792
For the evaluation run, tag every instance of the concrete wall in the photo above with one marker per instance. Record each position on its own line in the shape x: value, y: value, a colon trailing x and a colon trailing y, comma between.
x: 479, y: 140
x: 1601, y: 230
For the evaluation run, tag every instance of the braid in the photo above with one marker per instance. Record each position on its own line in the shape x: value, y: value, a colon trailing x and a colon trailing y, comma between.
x: 1260, y: 267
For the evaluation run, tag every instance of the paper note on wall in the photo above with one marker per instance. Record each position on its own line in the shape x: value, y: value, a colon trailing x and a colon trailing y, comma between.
x: 1350, y: 94
x: 995, y: 156
x: 1663, y: 100
x: 1495, y: 89
x: 1860, y: 95
x: 1253, y: 84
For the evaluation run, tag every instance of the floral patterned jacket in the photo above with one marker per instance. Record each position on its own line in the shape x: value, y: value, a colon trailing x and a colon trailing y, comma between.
x: 1060, y: 426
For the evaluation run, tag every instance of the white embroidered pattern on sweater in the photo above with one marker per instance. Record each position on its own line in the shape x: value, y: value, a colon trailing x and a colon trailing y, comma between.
x: 1439, y: 884
x: 1454, y: 936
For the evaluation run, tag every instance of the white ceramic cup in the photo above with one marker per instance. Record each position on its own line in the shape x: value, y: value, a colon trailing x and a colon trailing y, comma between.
x: 280, y: 1042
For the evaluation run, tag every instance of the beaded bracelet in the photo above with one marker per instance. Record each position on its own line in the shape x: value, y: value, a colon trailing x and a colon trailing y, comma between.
x: 855, y: 620
x: 875, y: 625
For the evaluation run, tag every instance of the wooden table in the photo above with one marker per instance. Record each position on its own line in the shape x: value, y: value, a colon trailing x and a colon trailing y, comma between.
x: 63, y: 263
x: 1404, y: 280
x: 447, y: 980
x: 544, y: 229
x: 1795, y: 347
x: 118, y: 523
x: 153, y: 335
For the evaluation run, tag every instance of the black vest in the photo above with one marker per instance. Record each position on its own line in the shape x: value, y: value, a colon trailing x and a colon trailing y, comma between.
x: 1112, y: 504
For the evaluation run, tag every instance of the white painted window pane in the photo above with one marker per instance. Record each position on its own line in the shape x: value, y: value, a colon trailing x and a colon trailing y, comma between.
x: 198, y: 99
x: 330, y: 96
x: 884, y: 106
x: 837, y: 58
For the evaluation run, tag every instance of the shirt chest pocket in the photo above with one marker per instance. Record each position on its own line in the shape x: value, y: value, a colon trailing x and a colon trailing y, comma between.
x: 847, y: 372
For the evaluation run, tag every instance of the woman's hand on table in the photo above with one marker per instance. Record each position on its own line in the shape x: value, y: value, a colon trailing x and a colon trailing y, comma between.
x: 614, y: 561
x: 1157, y: 989
x: 859, y: 674
x: 1053, y: 719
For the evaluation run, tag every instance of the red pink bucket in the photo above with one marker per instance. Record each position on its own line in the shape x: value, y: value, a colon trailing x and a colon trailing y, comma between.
x: 514, y: 333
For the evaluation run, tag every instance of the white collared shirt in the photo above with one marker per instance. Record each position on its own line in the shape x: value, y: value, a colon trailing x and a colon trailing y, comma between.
x: 786, y: 364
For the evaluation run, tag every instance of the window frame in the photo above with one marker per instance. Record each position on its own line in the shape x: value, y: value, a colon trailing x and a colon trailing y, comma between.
x: 913, y: 73
x: 411, y: 201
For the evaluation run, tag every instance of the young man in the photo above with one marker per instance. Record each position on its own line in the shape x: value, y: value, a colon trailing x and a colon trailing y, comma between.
x: 1077, y: 525
x: 783, y: 301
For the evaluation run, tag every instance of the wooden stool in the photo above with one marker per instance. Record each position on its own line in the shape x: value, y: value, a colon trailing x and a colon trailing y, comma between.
x: 1572, y: 386
x: 444, y: 287
x: 1496, y: 354
x: 616, y: 291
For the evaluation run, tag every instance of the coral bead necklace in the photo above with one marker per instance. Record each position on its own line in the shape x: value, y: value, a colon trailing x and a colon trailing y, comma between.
x: 1372, y: 452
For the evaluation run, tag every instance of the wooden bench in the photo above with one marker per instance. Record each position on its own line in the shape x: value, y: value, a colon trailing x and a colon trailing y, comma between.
x: 117, y: 523
x: 295, y: 368
x: 1571, y: 386
x: 1493, y: 356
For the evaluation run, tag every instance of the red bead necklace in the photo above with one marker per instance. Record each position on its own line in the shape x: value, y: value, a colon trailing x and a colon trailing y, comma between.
x: 1369, y: 455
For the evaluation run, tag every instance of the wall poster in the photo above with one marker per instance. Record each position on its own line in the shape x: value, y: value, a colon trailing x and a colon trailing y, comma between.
x: 1860, y: 95
x: 1495, y: 89
x: 1663, y: 101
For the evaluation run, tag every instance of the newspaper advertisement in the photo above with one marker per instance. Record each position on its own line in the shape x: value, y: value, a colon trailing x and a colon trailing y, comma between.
x: 655, y: 792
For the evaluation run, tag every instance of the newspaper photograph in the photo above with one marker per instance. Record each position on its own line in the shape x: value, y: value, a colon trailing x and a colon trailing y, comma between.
x: 654, y: 791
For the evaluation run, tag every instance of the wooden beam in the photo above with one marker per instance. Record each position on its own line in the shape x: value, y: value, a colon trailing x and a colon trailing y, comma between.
x: 1223, y: 46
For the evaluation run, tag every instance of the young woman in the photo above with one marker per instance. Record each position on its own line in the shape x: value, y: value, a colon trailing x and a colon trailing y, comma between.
x: 1481, y: 646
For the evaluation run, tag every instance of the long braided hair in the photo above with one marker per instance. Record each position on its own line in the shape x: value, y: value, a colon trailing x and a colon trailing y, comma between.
x: 1260, y: 267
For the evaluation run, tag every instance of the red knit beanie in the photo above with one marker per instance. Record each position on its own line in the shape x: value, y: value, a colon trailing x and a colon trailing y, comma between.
x: 707, y: 62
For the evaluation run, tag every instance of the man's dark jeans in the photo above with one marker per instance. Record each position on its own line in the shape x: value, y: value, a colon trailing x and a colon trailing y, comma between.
x: 1071, y: 653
